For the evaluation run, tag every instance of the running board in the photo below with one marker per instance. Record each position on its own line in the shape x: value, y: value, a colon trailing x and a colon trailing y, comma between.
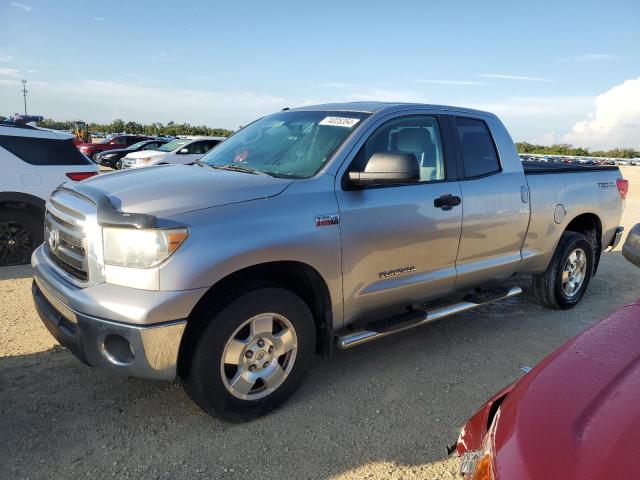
x: 359, y: 337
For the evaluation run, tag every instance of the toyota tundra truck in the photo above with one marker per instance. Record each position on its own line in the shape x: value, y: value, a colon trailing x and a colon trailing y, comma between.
x: 311, y: 229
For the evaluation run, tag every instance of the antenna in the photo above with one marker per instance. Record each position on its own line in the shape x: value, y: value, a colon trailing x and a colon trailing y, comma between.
x: 24, y: 94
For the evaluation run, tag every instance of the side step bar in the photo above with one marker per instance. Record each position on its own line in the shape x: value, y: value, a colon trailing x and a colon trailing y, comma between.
x: 359, y: 337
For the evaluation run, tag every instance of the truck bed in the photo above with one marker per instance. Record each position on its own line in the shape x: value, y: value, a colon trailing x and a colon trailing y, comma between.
x: 538, y: 168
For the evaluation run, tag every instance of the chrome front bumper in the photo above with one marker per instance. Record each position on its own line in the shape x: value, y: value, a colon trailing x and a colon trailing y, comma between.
x: 138, y: 351
x: 130, y: 331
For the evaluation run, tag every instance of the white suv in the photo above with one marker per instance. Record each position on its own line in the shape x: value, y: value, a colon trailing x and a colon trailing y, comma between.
x: 184, y: 151
x: 34, y: 162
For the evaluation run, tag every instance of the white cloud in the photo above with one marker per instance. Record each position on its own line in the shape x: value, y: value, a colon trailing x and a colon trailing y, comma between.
x: 97, y: 100
x: 5, y: 58
x: 546, y: 107
x: 9, y: 72
x: 589, y: 57
x: 335, y: 85
x: 548, y: 138
x: 529, y: 117
x: 615, y: 122
x: 99, y: 19
x: 24, y: 7
x: 449, y: 82
x: 512, y: 77
x: 157, y: 58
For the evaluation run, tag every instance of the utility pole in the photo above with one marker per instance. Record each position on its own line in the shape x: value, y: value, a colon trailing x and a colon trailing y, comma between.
x: 24, y: 94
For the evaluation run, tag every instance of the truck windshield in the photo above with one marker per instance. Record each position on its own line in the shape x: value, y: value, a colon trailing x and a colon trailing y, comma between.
x: 286, y: 144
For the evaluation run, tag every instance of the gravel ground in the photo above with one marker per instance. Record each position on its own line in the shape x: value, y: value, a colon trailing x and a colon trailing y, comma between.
x: 385, y: 410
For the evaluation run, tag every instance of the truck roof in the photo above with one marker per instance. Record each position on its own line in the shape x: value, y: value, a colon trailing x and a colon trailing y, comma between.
x: 375, y: 107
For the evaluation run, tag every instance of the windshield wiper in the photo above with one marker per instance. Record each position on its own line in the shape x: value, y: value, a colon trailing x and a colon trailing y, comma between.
x: 238, y: 168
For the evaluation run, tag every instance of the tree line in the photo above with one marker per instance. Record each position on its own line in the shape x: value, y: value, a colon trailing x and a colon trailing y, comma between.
x: 156, y: 128
x: 567, y: 149
x: 173, y: 129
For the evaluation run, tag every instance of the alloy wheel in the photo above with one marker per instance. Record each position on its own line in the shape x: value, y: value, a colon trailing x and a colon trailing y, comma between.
x: 574, y: 272
x: 259, y: 356
x: 16, y: 243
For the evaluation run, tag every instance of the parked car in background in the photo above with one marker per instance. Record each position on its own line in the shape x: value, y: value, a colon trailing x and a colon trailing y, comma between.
x: 575, y: 415
x: 34, y: 162
x: 110, y: 158
x: 92, y: 150
x: 183, y: 151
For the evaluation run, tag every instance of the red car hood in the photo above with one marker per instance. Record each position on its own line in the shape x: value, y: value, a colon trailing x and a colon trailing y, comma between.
x: 577, y: 414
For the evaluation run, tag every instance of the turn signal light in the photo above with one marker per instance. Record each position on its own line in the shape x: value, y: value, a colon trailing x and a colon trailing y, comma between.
x: 78, y: 176
x: 623, y: 187
x: 483, y: 469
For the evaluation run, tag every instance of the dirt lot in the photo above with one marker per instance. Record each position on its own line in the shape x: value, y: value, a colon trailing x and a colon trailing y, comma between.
x: 383, y: 410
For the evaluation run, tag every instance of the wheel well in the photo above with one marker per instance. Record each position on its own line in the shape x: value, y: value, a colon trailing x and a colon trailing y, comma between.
x: 590, y: 226
x: 298, y: 277
x: 22, y: 201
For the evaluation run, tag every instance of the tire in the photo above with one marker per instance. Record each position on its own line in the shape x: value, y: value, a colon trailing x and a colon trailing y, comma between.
x: 226, y: 390
x: 20, y: 234
x: 553, y: 287
x: 94, y: 157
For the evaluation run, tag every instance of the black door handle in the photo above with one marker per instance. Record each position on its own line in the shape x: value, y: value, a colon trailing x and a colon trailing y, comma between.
x: 447, y: 201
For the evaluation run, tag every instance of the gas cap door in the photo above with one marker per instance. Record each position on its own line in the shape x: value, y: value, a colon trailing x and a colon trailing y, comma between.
x: 31, y: 180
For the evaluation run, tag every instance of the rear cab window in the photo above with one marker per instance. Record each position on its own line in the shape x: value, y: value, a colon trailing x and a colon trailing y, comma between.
x: 44, y: 151
x: 479, y: 154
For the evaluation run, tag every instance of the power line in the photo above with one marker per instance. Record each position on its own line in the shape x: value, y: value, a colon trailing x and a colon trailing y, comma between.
x: 24, y: 94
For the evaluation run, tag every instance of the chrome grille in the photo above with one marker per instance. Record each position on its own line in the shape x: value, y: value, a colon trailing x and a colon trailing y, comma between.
x: 65, y: 241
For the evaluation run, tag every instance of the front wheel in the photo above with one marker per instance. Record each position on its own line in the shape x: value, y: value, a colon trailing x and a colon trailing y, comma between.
x: 567, y: 277
x: 252, y: 355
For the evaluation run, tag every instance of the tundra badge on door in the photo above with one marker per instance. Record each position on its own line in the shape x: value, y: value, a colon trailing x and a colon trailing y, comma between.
x: 324, y: 220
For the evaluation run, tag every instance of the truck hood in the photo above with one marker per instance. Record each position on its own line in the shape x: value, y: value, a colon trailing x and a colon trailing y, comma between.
x: 576, y: 414
x: 172, y: 189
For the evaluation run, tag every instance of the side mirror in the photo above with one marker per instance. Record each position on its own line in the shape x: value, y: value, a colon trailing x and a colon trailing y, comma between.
x: 387, y: 168
x: 184, y: 150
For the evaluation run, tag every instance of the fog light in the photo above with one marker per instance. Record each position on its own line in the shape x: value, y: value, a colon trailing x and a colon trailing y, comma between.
x: 117, y: 349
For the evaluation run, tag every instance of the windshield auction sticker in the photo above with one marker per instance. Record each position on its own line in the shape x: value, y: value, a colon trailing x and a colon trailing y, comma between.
x: 339, y: 121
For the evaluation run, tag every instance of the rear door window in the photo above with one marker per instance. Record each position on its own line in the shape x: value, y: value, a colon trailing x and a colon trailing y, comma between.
x: 479, y: 155
x: 44, y: 151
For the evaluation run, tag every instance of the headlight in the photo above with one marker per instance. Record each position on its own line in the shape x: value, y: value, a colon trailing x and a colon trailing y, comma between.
x: 128, y: 247
x: 478, y: 464
x: 142, y: 161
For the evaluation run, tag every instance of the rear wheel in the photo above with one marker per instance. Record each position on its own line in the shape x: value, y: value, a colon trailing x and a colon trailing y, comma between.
x: 567, y: 277
x: 20, y: 234
x: 94, y: 157
x: 252, y: 355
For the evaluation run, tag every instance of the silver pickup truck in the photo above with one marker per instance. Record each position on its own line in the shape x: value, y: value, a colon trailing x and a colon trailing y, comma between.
x: 311, y: 229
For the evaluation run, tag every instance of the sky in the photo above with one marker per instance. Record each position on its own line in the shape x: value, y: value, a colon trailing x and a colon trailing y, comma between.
x: 554, y: 71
